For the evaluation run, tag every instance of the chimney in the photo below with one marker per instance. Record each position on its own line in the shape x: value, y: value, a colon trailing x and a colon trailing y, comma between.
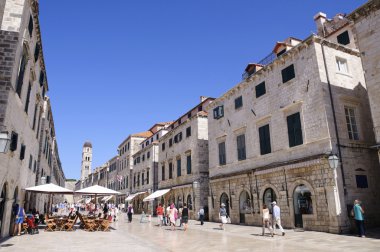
x: 320, y: 19
x: 203, y: 98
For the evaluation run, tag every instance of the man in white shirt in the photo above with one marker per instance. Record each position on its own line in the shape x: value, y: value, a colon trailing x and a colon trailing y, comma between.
x: 277, y: 217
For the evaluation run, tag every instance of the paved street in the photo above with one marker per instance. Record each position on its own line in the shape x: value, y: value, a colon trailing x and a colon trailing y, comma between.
x: 148, y: 237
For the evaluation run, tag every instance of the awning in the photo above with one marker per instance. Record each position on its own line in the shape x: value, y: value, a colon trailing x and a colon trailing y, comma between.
x: 105, y: 199
x: 130, y: 197
x: 156, y: 194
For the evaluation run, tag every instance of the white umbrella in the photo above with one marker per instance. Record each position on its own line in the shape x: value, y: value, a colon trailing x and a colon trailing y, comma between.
x: 49, y: 188
x: 97, y: 190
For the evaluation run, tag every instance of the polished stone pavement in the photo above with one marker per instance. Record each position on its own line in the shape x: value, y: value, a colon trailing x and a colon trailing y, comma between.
x: 138, y: 236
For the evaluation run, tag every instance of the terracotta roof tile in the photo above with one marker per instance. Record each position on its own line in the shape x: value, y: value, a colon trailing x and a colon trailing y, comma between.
x: 145, y: 134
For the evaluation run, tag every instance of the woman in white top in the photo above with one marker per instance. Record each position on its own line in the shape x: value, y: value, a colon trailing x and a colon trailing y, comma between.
x: 266, y: 220
x: 173, y: 215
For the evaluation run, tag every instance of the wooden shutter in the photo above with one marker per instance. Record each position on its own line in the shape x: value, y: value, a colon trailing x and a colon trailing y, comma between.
x: 264, y: 134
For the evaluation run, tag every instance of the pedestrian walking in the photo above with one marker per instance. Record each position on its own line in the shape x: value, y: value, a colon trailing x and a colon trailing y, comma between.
x: 160, y: 214
x: 185, y: 216
x: 180, y: 215
x: 277, y: 218
x: 359, y: 218
x: 201, y: 215
x: 20, y: 216
x: 266, y: 220
x: 173, y: 215
x: 130, y: 212
x: 167, y: 215
x: 222, y: 215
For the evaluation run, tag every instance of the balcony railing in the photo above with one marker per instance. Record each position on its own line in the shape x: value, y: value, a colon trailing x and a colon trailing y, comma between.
x: 265, y: 61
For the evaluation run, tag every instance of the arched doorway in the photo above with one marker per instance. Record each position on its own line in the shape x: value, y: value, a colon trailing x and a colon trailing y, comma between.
x: 13, y: 216
x: 245, y: 205
x: 224, y: 199
x: 2, y: 206
x: 179, y: 202
x: 268, y: 197
x: 302, y: 204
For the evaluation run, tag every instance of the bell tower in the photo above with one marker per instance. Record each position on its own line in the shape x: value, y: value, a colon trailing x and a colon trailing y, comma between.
x: 86, y: 160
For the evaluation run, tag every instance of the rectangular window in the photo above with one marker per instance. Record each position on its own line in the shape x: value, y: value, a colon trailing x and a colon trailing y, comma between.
x: 294, y: 130
x: 288, y: 73
x: 361, y: 181
x: 128, y: 146
x: 222, y: 153
x: 35, y: 116
x: 42, y: 78
x: 138, y: 179
x: 264, y: 136
x: 170, y: 170
x: 188, y: 131
x: 163, y: 172
x: 170, y: 142
x: 20, y: 79
x: 142, y: 179
x: 343, y: 38
x: 178, y: 167
x: 240, y: 140
x: 351, y: 123
x: 30, y: 162
x: 30, y: 26
x: 189, y: 115
x: 163, y: 146
x: 176, y: 139
x: 148, y: 155
x: 200, y: 108
x: 218, y: 112
x: 147, y: 177
x: 239, y: 102
x: 36, y: 52
x: 188, y: 164
x: 14, y: 140
x: 143, y: 157
x: 22, y: 152
x: 35, y: 166
x: 260, y: 89
x: 157, y: 136
x: 341, y: 65
x: 28, y: 99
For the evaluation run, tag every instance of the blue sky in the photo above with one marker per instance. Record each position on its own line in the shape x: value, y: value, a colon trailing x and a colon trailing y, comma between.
x: 116, y: 67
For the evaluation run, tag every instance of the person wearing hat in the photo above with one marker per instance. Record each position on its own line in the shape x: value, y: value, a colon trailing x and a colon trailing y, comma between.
x: 277, y: 217
x: 222, y: 215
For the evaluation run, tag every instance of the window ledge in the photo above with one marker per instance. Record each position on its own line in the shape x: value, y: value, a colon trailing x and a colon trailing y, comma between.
x: 344, y: 74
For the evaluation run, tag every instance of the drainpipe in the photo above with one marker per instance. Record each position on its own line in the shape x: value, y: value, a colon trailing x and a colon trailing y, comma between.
x: 334, y: 117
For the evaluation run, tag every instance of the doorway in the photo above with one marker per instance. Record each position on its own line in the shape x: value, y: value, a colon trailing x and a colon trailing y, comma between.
x: 2, y: 206
x: 224, y: 199
x: 302, y: 204
x: 244, y: 206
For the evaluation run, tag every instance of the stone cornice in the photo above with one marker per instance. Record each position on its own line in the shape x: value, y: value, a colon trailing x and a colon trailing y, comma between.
x: 364, y: 10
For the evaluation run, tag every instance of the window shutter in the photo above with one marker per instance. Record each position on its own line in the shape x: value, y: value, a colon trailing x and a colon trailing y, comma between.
x: 287, y: 73
x: 14, y: 139
x: 264, y: 136
x: 260, y: 89
x: 22, y: 152
x: 297, y: 129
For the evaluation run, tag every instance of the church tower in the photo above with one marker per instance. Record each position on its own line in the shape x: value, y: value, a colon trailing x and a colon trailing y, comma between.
x: 86, y: 160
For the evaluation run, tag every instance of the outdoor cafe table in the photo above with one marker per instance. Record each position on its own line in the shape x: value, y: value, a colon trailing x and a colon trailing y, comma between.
x: 60, y: 221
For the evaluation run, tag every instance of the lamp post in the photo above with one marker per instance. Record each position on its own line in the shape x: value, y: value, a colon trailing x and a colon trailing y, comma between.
x: 333, y: 163
x: 4, y: 142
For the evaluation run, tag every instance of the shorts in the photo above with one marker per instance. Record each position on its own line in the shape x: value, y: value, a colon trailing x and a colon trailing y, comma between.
x: 19, y: 220
x: 185, y: 219
x: 224, y: 219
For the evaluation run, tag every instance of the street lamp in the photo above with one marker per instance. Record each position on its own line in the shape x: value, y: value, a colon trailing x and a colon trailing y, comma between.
x: 4, y: 142
x: 333, y: 161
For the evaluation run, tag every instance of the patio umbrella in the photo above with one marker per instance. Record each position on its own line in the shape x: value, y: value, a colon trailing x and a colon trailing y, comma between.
x: 97, y: 190
x: 49, y: 189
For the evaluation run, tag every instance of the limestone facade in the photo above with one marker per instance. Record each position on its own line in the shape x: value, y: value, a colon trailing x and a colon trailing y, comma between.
x: 366, y: 30
x: 23, y: 102
x: 86, y: 160
x: 270, y: 135
x: 183, y: 160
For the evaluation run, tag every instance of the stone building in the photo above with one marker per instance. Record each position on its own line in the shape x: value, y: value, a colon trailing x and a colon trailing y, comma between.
x: 126, y: 150
x: 183, y: 160
x: 144, y: 176
x: 271, y: 135
x: 365, y: 22
x: 23, y: 87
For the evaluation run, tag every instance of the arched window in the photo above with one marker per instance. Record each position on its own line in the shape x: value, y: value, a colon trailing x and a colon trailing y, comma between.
x: 189, y: 202
x: 302, y: 200
x: 269, y: 197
